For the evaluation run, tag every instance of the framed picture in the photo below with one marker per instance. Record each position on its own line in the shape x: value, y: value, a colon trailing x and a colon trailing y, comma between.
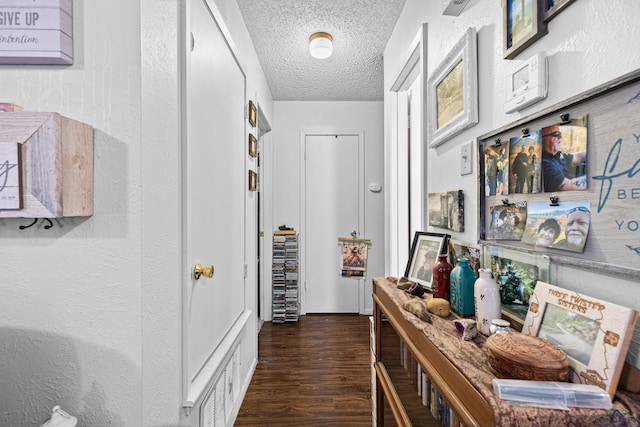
x: 253, y: 181
x: 253, y: 114
x: 594, y: 334
x: 424, y: 255
x: 554, y: 7
x: 452, y: 92
x: 446, y: 210
x: 253, y: 145
x: 523, y: 24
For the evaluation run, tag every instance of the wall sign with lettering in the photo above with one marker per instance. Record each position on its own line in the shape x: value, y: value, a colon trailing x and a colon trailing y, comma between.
x: 36, y: 32
x: 10, y: 176
x: 612, y: 176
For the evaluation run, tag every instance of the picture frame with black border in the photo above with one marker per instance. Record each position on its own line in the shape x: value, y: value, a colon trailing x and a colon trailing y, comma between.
x: 425, y: 249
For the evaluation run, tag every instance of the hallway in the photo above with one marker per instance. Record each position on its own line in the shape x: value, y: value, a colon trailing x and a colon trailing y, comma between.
x: 313, y: 373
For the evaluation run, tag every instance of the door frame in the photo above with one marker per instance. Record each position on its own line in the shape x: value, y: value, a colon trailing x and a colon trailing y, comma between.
x: 414, y: 66
x: 264, y: 170
x: 302, y: 271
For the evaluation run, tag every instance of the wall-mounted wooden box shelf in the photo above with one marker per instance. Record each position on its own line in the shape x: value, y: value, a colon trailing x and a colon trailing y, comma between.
x: 56, y: 163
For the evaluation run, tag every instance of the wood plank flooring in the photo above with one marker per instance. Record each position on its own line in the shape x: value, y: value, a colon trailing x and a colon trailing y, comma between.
x: 316, y: 372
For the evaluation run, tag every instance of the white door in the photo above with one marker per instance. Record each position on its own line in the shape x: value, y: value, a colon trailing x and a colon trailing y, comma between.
x: 214, y: 177
x: 332, y: 209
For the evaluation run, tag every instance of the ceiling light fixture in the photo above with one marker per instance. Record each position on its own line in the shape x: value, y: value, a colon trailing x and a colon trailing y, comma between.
x: 321, y: 45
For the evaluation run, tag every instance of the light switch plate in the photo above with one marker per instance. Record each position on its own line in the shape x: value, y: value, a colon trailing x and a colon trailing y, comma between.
x: 466, y: 152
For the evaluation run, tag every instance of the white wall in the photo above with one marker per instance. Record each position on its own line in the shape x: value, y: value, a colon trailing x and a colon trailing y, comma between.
x: 293, y: 117
x: 90, y: 313
x: 583, y: 51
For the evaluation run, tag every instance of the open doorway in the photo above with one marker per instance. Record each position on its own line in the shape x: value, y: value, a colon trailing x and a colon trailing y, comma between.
x: 262, y: 217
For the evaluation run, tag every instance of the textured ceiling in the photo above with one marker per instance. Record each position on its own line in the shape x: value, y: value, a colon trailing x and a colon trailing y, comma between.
x: 280, y: 31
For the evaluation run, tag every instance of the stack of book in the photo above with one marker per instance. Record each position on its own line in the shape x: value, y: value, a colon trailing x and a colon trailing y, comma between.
x: 430, y: 395
x: 285, y: 294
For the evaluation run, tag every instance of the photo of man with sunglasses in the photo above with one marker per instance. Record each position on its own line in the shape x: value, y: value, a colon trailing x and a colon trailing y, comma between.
x: 576, y: 229
x: 561, y: 171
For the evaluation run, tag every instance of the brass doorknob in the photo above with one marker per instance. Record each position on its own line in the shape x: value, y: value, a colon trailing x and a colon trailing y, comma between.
x: 199, y: 270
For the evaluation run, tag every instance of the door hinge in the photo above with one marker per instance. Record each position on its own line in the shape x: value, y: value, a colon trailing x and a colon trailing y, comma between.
x: 245, y: 273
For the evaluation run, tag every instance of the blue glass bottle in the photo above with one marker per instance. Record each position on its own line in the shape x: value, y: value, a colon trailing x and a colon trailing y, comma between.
x: 462, y: 279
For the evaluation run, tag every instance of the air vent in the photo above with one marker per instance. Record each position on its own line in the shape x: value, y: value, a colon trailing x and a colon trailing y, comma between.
x: 453, y: 7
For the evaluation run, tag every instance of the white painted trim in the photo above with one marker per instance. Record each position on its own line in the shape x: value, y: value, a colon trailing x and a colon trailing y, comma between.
x: 265, y: 179
x: 414, y: 67
x: 245, y: 387
x: 218, y: 361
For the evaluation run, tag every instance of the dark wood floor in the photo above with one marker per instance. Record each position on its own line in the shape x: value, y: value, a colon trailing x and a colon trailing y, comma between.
x: 316, y: 372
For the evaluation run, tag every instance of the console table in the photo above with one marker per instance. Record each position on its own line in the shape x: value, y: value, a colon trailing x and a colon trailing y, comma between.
x: 458, y: 369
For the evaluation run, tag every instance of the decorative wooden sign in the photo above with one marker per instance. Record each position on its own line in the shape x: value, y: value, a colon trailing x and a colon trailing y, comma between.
x: 611, y: 187
x: 57, y: 164
x: 10, y: 176
x: 36, y: 32
x: 594, y: 334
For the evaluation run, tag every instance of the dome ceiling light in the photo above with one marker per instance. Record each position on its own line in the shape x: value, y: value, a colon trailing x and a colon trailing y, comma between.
x: 321, y: 45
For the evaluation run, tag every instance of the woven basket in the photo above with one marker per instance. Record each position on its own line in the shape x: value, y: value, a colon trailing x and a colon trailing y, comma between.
x: 518, y: 356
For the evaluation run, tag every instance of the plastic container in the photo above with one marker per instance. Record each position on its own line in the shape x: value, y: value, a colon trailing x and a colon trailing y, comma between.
x: 551, y: 394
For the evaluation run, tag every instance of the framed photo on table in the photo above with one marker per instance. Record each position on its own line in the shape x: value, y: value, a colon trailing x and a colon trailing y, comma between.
x: 523, y: 24
x: 452, y: 92
x: 594, y: 334
x: 424, y: 255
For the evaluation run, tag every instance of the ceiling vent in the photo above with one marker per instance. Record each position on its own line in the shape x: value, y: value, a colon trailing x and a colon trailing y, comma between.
x: 453, y: 7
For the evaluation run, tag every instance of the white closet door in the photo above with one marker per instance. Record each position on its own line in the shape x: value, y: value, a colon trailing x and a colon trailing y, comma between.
x: 332, y: 180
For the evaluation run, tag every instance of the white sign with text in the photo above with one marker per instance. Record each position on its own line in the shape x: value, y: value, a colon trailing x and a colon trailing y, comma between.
x: 36, y: 32
x: 10, y: 179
